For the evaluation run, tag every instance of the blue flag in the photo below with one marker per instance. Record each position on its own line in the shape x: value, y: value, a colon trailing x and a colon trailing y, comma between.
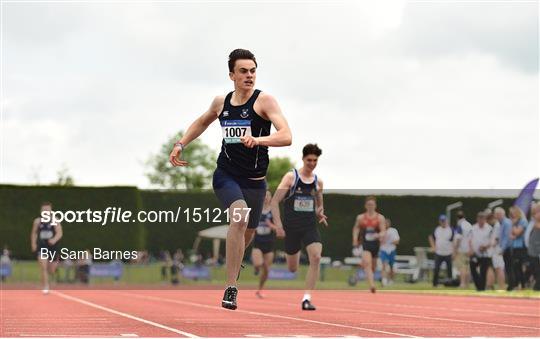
x: 525, y: 197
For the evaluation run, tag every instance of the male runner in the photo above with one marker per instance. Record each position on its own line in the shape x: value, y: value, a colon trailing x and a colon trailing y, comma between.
x: 367, y: 231
x: 303, y: 205
x: 262, y: 254
x: 246, y: 116
x: 45, y: 235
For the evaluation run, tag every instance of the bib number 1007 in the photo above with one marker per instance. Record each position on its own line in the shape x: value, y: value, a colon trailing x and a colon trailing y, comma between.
x: 233, y: 130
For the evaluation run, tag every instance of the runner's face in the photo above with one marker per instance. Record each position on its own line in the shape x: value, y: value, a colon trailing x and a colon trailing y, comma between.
x: 310, y: 161
x: 481, y: 221
x: 46, y: 208
x: 244, y: 75
x: 537, y: 215
x: 370, y: 205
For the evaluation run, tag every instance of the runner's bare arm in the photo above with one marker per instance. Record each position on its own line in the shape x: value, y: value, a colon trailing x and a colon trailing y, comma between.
x: 196, y: 129
x: 33, y: 235
x: 431, y: 242
x: 517, y: 230
x: 272, y: 111
x: 320, y: 204
x: 382, y: 226
x: 282, y: 190
x: 356, y: 240
x: 271, y: 224
x: 58, y: 234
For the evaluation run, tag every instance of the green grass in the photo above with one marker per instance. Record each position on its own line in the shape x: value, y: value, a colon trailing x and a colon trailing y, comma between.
x: 335, y: 279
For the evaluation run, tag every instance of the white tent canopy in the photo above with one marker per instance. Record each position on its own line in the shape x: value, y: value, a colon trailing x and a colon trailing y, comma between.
x: 216, y: 234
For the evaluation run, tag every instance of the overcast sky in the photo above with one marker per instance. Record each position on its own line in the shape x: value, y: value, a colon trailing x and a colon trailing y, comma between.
x: 399, y: 95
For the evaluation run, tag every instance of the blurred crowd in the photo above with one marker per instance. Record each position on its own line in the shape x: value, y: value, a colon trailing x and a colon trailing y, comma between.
x: 500, y: 249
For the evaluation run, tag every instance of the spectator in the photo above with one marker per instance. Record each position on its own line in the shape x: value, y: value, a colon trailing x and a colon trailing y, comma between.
x: 166, y: 266
x: 463, y: 235
x: 505, y: 242
x: 496, y: 271
x: 83, y: 267
x: 534, y: 208
x: 442, y: 243
x: 529, y: 272
x: 5, y: 261
x: 388, y: 252
x: 69, y: 270
x: 534, y: 248
x: 519, y: 252
x: 178, y: 256
x: 178, y: 265
x: 480, y: 250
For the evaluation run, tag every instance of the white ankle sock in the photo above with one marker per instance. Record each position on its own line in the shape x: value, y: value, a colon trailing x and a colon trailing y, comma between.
x: 307, y: 296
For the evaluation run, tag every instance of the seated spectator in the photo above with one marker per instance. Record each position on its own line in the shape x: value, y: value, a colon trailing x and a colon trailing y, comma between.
x: 166, y: 265
x: 83, y: 268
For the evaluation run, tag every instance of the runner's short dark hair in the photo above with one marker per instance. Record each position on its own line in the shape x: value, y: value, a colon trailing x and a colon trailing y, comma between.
x: 239, y: 54
x: 371, y: 197
x: 46, y: 203
x: 311, y: 149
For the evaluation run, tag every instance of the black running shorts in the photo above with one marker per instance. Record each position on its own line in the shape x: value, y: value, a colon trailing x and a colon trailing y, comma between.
x: 294, y: 239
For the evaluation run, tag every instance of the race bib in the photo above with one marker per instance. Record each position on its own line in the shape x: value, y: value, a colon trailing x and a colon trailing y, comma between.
x: 233, y: 130
x: 263, y: 230
x: 45, y: 234
x: 304, y: 204
x: 371, y: 235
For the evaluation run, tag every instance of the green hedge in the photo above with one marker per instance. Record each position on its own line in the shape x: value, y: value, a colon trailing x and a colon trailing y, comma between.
x: 414, y: 216
x: 170, y: 235
x: 20, y: 205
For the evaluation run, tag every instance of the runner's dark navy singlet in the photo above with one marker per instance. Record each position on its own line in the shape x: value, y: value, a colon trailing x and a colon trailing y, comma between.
x: 46, y: 231
x: 299, y: 206
x: 263, y: 232
x: 237, y: 122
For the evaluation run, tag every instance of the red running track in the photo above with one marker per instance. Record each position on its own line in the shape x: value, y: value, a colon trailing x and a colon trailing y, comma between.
x: 197, y: 313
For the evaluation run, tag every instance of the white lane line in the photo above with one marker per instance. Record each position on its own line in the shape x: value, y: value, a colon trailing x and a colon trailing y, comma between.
x: 69, y: 335
x: 268, y: 315
x: 128, y: 335
x: 481, y: 298
x: 438, y: 308
x: 414, y: 316
x: 125, y: 315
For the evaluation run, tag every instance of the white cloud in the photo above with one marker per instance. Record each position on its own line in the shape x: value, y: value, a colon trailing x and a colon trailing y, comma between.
x: 395, y: 98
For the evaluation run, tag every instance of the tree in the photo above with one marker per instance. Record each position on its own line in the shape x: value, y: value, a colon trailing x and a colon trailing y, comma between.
x: 63, y: 178
x: 276, y: 170
x: 196, y: 176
